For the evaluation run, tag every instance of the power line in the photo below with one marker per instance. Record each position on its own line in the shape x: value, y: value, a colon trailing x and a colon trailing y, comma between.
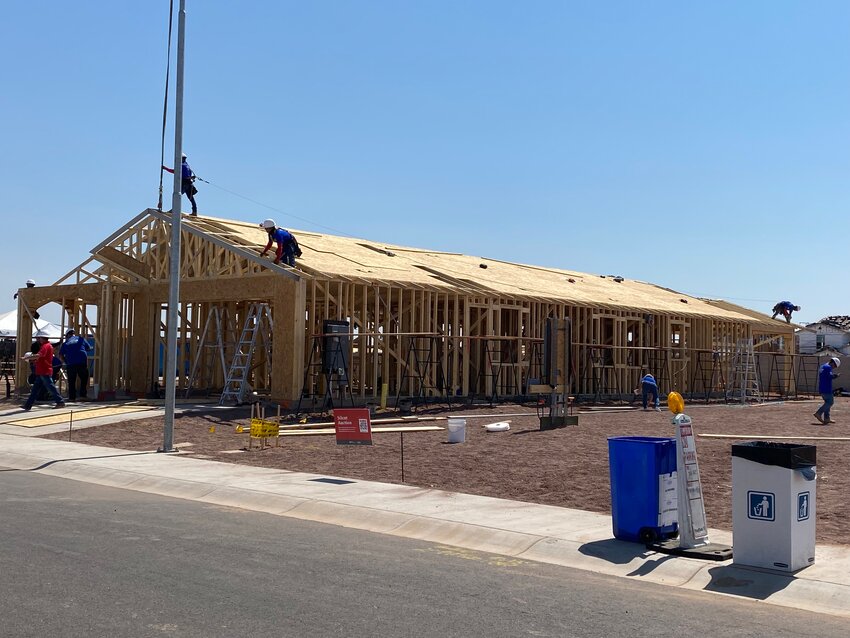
x: 277, y: 210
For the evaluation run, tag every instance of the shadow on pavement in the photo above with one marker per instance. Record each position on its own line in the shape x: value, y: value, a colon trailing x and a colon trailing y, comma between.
x: 81, y: 458
x: 758, y: 585
x: 614, y: 551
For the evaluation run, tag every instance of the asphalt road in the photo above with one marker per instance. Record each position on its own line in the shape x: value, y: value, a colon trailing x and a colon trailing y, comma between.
x: 83, y: 560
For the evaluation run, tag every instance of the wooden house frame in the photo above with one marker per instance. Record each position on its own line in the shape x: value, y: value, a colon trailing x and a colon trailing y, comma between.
x: 422, y: 323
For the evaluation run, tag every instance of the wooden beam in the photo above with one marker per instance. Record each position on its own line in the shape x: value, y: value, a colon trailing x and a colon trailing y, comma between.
x: 107, y: 254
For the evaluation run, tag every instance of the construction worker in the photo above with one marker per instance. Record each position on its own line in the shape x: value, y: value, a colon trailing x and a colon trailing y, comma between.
x: 287, y: 245
x: 74, y: 354
x: 30, y: 284
x: 785, y: 308
x: 649, y: 387
x: 187, y: 183
x: 43, y: 372
x: 825, y: 377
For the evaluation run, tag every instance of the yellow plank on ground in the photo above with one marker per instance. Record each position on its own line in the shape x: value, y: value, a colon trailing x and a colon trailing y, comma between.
x: 79, y: 415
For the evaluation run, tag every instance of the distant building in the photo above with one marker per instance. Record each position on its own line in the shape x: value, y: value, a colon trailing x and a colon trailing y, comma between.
x: 830, y: 333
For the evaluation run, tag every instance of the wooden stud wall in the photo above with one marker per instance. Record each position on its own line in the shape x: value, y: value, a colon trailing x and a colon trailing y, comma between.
x: 474, y: 342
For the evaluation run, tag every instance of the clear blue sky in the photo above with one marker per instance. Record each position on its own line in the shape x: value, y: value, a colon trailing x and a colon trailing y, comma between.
x: 700, y: 146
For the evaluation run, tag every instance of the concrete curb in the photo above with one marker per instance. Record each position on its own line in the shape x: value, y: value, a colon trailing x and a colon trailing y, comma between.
x: 540, y: 533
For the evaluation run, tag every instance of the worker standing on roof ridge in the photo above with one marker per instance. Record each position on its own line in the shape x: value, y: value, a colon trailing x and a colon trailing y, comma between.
x: 785, y: 308
x: 187, y: 183
x: 287, y: 246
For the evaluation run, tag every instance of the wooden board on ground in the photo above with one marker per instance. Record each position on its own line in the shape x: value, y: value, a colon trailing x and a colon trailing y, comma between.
x: 325, y: 424
x: 415, y: 428
x: 756, y: 437
x: 79, y: 415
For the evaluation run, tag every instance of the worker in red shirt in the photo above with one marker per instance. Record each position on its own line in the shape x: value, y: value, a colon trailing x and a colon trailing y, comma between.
x: 43, y: 372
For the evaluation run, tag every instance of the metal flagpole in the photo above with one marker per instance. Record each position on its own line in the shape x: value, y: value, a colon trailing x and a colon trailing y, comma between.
x: 171, y: 363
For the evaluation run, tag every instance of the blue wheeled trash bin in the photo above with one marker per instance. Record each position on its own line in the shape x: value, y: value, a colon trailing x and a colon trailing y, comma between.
x: 637, y: 465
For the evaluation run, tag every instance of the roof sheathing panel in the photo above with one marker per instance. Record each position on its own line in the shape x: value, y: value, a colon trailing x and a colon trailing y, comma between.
x: 333, y: 256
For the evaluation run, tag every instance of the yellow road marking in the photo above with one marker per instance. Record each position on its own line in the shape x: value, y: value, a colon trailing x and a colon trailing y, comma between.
x: 468, y: 554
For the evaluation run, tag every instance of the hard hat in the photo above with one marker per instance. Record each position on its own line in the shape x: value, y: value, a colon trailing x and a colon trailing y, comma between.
x: 70, y: 331
x: 183, y: 155
x: 42, y: 333
x: 267, y: 223
x: 836, y: 361
x: 30, y: 282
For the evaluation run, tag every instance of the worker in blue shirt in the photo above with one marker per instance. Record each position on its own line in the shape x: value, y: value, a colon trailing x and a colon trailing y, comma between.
x: 287, y: 246
x: 785, y: 308
x: 649, y: 387
x: 825, y: 377
x: 187, y: 183
x: 74, y: 353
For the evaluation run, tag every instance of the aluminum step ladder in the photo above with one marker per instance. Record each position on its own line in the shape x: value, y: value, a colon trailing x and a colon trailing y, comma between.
x: 743, y: 374
x: 258, y: 324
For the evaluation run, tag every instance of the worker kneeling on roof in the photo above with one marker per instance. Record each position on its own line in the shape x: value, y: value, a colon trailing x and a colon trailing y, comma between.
x: 287, y: 246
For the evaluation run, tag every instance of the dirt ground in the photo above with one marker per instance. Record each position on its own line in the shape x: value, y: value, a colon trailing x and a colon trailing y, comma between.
x: 567, y: 467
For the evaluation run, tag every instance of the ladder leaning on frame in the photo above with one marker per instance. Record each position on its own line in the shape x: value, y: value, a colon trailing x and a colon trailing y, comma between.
x: 258, y: 323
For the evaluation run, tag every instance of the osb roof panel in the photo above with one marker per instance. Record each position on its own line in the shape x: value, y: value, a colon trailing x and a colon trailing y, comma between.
x: 755, y: 314
x: 345, y: 257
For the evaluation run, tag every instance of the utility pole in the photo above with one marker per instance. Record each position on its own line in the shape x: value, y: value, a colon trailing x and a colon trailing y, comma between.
x: 171, y: 361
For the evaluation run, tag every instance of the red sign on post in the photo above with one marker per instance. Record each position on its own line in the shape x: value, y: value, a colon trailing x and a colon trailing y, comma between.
x: 353, y: 426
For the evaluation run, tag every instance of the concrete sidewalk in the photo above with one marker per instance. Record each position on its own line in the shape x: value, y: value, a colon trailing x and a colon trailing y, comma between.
x: 572, y: 538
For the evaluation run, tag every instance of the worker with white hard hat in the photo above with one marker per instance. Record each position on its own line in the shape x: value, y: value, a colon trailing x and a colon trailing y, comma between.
x: 30, y: 284
x: 187, y: 183
x: 74, y: 354
x: 43, y: 372
x: 287, y: 246
x: 825, y: 377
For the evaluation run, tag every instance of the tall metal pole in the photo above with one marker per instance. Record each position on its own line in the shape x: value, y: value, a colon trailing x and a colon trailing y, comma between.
x: 171, y: 363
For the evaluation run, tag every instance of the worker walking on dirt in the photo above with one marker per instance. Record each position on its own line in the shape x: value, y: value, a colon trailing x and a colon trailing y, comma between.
x: 649, y: 387
x: 825, y: 377
x: 287, y: 245
x: 785, y: 308
x: 74, y: 353
x: 43, y: 373
x: 187, y: 183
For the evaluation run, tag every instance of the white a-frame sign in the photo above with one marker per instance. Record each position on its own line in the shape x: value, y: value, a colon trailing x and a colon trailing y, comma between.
x: 693, y: 531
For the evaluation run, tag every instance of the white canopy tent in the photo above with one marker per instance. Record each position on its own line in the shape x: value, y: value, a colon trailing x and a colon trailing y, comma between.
x: 9, y: 326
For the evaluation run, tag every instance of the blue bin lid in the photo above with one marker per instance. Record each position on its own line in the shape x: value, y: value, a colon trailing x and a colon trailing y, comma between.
x: 642, y: 439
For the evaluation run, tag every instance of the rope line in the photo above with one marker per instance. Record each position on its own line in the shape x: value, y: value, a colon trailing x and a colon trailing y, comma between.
x: 277, y: 210
x: 165, y: 102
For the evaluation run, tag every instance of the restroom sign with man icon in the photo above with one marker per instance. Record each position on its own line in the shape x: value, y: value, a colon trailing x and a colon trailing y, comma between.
x: 761, y: 506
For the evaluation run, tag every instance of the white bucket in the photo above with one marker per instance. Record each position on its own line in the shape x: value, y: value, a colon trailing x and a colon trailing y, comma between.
x: 457, y: 429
